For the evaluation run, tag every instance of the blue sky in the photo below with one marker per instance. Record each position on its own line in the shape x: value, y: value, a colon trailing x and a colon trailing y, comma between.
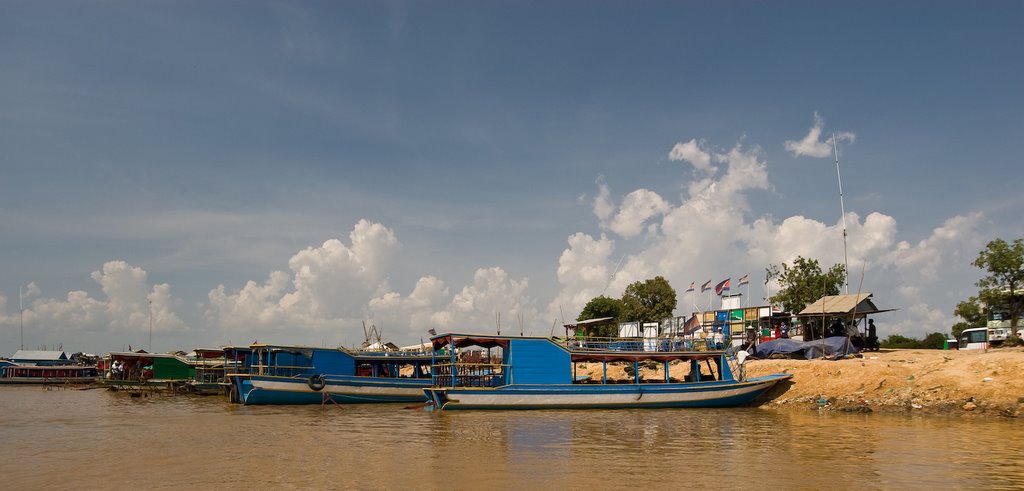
x: 284, y: 171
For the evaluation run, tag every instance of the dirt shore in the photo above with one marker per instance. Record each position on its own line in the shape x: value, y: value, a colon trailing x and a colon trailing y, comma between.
x: 968, y: 383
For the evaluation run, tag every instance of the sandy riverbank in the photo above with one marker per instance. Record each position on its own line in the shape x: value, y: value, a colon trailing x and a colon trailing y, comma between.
x: 970, y: 383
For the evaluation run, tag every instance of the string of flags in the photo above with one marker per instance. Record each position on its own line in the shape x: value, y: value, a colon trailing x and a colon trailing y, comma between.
x: 722, y: 287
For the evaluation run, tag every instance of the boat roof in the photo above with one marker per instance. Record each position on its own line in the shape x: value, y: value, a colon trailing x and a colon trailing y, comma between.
x: 39, y: 355
x: 591, y: 322
x: 117, y: 355
x: 209, y: 352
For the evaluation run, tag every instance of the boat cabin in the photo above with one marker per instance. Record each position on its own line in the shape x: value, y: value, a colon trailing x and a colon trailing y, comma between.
x: 491, y: 361
x: 295, y: 361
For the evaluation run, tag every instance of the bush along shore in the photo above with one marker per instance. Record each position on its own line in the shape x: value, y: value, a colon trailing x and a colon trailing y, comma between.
x: 968, y: 383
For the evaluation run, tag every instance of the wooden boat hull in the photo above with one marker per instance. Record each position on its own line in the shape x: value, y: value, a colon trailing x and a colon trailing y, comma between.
x: 151, y: 385
x: 612, y: 396
x: 263, y: 389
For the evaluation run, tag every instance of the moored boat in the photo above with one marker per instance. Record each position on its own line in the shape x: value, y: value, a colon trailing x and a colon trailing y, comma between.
x: 13, y: 373
x: 505, y: 372
x: 272, y: 374
x: 46, y: 367
x: 210, y: 366
x: 137, y: 371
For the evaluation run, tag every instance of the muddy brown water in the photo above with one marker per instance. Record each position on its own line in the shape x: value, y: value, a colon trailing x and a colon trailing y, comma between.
x: 95, y: 439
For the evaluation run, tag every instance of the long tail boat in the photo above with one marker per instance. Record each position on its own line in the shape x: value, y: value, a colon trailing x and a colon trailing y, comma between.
x: 508, y: 372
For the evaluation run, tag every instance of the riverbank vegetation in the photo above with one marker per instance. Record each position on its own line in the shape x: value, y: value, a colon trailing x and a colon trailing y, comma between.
x: 1001, y: 293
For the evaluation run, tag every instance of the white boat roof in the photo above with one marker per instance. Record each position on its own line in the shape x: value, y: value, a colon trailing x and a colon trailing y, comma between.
x: 39, y: 355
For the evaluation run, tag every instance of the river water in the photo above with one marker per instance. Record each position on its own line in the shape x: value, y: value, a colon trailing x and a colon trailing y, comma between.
x: 92, y: 439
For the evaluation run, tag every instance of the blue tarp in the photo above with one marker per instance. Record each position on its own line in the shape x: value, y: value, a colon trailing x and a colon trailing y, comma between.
x: 833, y: 347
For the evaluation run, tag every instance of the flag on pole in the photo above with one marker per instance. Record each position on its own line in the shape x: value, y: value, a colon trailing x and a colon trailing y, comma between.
x: 745, y: 280
x: 692, y: 286
x: 705, y: 287
x: 691, y: 325
x: 723, y: 286
x: 432, y: 332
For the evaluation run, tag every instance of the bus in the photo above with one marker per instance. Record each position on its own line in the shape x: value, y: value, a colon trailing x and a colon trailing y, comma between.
x: 974, y: 338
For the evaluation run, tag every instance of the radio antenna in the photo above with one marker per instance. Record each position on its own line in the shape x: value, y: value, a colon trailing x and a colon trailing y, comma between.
x: 842, y: 208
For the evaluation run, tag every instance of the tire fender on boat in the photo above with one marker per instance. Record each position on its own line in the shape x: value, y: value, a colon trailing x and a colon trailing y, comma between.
x: 317, y: 382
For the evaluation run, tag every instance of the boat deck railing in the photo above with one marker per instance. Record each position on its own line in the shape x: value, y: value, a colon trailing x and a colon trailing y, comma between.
x: 281, y: 370
x: 469, y: 374
x: 596, y: 344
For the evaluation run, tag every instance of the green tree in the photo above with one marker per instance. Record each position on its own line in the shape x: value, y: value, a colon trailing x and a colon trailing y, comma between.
x: 972, y: 313
x: 599, y: 307
x: 1004, y: 286
x: 935, y: 340
x: 648, y: 301
x: 804, y: 282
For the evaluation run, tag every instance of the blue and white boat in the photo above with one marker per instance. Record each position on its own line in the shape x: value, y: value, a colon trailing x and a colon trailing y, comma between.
x: 271, y: 374
x: 507, y: 372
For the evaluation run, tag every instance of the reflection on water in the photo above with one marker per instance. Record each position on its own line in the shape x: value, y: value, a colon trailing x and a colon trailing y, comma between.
x: 95, y: 438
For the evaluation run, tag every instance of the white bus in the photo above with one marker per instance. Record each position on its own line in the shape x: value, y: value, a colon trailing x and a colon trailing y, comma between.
x: 974, y: 338
x: 982, y: 337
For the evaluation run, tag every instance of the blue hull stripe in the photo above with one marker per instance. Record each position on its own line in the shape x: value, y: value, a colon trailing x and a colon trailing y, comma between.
x: 344, y: 390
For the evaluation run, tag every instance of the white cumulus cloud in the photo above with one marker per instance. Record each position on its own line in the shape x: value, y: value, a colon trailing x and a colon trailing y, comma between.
x: 127, y: 310
x: 713, y: 234
x: 493, y: 296
x: 637, y: 207
x: 327, y: 288
x: 812, y: 145
x: 693, y: 153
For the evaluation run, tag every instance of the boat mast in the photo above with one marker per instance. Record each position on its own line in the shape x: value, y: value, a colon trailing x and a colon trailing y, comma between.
x: 842, y: 208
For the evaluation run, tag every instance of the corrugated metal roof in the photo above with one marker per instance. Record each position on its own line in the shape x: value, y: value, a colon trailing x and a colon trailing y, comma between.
x: 842, y: 304
x: 38, y: 355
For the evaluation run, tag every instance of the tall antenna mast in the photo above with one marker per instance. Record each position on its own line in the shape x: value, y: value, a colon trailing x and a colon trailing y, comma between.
x: 21, y: 308
x: 842, y: 207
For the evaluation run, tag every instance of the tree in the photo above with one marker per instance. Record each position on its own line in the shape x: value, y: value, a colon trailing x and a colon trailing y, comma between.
x: 804, y: 282
x: 599, y: 307
x: 899, y: 342
x: 648, y: 301
x: 1004, y: 286
x: 935, y: 340
x: 972, y: 313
